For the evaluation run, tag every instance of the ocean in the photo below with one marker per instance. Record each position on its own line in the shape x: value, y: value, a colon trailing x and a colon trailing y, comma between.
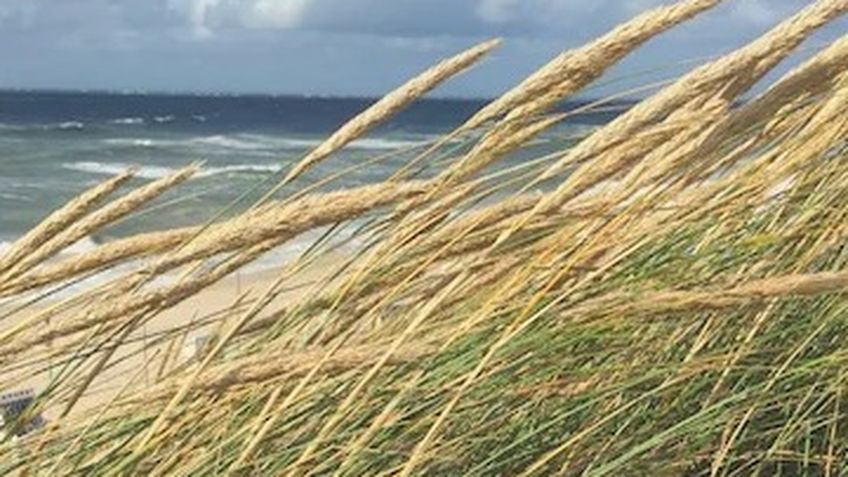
x: 53, y: 145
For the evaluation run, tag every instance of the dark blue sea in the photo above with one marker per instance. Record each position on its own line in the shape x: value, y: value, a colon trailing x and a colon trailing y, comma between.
x: 53, y: 145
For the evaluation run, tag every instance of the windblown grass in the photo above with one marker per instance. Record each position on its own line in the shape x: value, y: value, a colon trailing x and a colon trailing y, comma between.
x: 671, y: 300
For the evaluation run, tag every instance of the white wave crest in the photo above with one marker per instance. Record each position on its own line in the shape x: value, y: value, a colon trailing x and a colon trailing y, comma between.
x: 133, y: 121
x: 240, y: 142
x: 373, y: 144
x: 211, y: 171
x: 158, y: 172
x: 13, y: 196
x: 63, y: 126
x: 271, y: 142
x: 221, y: 142
x: 70, y: 126
x: 384, y: 143
x: 264, y: 144
x: 114, y: 168
x: 135, y: 142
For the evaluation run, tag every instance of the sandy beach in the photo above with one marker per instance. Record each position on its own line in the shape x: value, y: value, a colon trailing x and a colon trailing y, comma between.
x: 174, y: 337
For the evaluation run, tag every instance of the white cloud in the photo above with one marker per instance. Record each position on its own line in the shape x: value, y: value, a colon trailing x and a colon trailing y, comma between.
x: 205, y: 16
x: 198, y: 14
x: 274, y: 13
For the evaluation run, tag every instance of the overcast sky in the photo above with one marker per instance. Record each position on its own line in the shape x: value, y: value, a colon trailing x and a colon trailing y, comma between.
x: 335, y: 47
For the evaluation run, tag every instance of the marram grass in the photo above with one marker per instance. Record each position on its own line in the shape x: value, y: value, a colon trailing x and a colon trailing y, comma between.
x: 669, y: 298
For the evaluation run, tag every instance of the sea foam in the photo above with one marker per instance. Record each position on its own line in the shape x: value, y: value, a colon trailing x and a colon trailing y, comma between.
x: 132, y: 121
x: 262, y: 144
x: 158, y: 172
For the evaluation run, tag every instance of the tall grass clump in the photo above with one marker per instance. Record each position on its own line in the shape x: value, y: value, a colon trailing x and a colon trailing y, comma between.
x: 664, y: 295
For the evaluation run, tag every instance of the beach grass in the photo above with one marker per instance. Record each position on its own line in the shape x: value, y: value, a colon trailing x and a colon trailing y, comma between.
x: 664, y: 295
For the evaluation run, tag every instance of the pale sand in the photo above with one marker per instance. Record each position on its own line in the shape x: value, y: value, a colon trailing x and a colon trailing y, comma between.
x: 139, y: 367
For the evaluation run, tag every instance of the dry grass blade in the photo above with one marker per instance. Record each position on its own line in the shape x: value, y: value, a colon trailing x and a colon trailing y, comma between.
x: 754, y: 292
x: 253, y: 238
x: 729, y: 76
x: 59, y: 220
x: 104, y: 256
x: 572, y: 70
x: 229, y: 377
x: 391, y: 104
x: 108, y: 214
x: 287, y: 220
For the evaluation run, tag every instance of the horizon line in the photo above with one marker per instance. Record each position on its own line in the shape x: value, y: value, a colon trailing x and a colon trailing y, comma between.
x: 233, y: 94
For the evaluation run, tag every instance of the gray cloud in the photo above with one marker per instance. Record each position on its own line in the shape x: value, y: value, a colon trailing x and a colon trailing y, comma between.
x: 331, y: 46
x: 380, y: 17
x: 433, y: 17
x: 206, y: 16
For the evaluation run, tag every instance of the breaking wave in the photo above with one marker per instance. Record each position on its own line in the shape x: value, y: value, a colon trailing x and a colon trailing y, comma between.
x: 133, y: 121
x: 257, y: 143
x: 157, y: 172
